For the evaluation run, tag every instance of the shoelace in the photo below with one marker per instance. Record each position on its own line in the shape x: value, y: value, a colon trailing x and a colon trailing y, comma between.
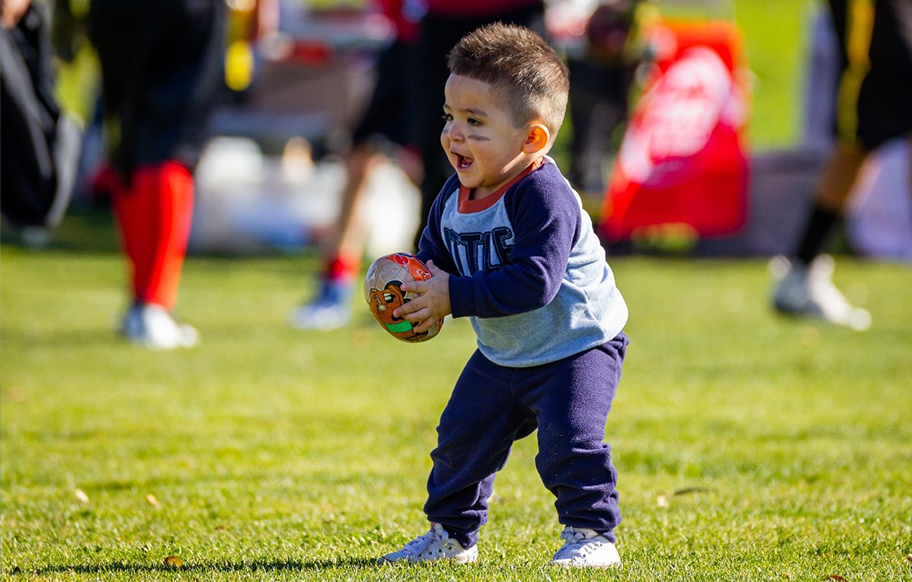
x: 574, y: 542
x: 418, y: 545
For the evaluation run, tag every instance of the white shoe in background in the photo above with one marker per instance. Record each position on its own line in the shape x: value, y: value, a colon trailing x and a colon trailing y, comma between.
x: 151, y: 326
x: 809, y: 290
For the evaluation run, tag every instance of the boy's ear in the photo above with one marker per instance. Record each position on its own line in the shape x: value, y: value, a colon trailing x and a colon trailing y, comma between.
x: 537, y: 139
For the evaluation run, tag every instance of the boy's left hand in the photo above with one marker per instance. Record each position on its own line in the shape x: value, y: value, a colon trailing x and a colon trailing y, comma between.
x: 432, y: 303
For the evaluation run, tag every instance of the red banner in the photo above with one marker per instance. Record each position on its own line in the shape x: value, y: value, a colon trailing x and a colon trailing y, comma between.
x: 683, y: 160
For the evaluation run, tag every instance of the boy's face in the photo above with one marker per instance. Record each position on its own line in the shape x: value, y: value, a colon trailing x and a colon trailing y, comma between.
x: 479, y: 137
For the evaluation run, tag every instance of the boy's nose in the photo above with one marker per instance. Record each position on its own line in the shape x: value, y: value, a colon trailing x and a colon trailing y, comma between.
x: 454, y: 133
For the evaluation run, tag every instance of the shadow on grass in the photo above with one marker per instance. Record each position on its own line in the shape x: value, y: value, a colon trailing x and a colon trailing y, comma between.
x: 200, y: 568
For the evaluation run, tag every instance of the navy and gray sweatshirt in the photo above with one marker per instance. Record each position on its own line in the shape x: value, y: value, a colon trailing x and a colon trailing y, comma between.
x: 526, y: 267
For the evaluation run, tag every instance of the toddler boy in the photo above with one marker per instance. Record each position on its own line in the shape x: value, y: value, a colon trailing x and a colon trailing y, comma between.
x: 511, y: 248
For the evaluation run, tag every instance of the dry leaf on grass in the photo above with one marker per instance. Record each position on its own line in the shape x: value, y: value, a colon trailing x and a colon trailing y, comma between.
x: 152, y: 500
x: 836, y: 577
x: 81, y: 496
x: 692, y: 491
x: 16, y: 394
x: 173, y: 562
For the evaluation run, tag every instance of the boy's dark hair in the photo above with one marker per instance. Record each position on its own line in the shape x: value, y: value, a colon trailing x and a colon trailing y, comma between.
x: 519, y: 64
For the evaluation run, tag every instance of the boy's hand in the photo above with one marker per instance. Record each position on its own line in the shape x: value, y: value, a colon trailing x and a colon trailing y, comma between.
x: 432, y: 303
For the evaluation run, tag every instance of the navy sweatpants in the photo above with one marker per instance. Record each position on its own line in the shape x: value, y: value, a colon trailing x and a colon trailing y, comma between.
x: 493, y: 406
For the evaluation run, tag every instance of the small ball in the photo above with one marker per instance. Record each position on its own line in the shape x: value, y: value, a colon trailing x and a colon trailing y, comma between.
x: 383, y: 292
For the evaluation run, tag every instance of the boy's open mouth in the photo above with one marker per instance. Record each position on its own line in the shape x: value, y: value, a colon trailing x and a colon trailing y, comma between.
x: 463, y: 163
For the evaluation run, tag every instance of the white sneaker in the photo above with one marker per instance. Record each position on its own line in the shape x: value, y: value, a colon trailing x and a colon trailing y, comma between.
x: 436, y: 544
x: 151, y: 326
x: 586, y: 548
x: 809, y: 290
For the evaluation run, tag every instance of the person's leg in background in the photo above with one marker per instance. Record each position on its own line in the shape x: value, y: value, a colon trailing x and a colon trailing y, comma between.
x: 331, y: 308
x: 598, y: 107
x: 153, y: 215
x: 381, y: 135
x: 806, y: 286
x: 162, y: 72
x: 872, y: 108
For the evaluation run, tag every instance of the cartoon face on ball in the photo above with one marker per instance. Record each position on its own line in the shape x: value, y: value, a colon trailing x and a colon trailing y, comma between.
x: 383, y: 292
x: 382, y: 304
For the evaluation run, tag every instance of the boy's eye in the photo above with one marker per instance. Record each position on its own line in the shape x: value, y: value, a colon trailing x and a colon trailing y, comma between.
x: 447, y: 117
x: 473, y: 121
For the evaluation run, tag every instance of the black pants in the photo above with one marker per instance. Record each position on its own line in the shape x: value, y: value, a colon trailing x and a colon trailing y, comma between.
x: 882, y: 104
x: 598, y: 109
x: 162, y: 69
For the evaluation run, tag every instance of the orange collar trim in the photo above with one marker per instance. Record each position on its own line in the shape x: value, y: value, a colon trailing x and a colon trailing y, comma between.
x: 468, y: 206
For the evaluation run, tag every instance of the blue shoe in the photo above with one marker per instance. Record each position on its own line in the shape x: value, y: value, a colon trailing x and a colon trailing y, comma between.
x: 330, y: 310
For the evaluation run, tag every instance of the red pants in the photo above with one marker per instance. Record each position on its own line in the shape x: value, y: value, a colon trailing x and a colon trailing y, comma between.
x: 154, y: 215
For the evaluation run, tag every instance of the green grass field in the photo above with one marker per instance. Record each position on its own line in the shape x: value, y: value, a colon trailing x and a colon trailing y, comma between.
x: 749, y: 447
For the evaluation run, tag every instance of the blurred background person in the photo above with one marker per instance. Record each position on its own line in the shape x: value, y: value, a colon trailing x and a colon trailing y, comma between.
x: 162, y: 65
x: 385, y: 131
x: 874, y: 105
x: 40, y: 143
x: 602, y: 73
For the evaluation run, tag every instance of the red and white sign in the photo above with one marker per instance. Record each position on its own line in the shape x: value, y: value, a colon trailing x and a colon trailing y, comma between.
x: 682, y: 160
